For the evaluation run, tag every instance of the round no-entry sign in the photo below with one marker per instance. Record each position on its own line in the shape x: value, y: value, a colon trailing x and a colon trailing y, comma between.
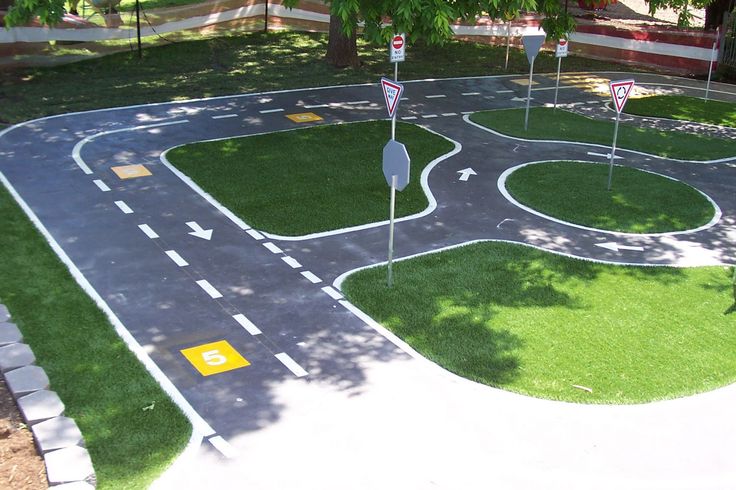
x: 397, y: 42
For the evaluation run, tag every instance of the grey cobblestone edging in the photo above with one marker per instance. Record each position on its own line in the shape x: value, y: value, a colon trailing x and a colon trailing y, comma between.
x: 58, y: 439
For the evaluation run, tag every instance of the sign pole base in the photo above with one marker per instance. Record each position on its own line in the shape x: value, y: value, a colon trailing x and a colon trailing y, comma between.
x: 613, y: 151
x: 391, y: 232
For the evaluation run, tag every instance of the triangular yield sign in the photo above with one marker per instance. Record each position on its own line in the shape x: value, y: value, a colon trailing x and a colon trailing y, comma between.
x: 392, y: 93
x: 620, y: 92
x: 532, y: 43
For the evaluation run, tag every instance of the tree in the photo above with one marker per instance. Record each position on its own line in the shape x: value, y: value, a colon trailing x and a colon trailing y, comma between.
x: 49, y: 12
x: 683, y: 7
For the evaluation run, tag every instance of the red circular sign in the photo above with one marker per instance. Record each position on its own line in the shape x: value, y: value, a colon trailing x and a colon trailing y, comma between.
x: 563, y: 42
x: 397, y: 42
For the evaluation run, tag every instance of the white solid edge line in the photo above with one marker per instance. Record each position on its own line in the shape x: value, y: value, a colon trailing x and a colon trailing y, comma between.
x: 501, y: 184
x: 123, y: 207
x: 332, y: 292
x: 101, y: 185
x: 291, y: 365
x: 248, y: 325
x: 466, y: 118
x: 293, y: 263
x: 311, y: 277
x: 178, y: 260
x: 273, y: 248
x: 200, y: 426
x: 223, y: 446
x: 148, y: 231
x: 209, y: 289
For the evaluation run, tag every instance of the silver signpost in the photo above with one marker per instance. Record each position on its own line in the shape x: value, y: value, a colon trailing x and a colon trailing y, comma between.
x: 560, y: 52
x: 620, y: 92
x: 532, y: 44
x: 713, y: 52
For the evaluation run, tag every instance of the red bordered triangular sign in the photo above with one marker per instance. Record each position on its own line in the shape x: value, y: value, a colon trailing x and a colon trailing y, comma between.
x: 392, y: 93
x: 620, y: 92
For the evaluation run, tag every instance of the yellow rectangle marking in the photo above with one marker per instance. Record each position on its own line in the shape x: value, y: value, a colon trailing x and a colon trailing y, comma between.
x: 524, y: 82
x: 131, y: 171
x: 215, y: 357
x: 304, y: 117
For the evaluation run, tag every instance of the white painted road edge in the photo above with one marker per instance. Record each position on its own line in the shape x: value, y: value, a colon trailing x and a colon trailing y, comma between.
x: 717, y: 214
x: 200, y: 427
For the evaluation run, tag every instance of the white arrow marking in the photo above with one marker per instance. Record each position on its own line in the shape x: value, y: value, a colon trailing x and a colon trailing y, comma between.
x: 198, y: 231
x: 616, y: 247
x: 521, y: 99
x: 466, y: 173
x: 607, y: 155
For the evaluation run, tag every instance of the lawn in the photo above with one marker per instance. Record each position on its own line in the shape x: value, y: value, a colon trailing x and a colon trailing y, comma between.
x: 541, y: 324
x: 639, y: 202
x: 685, y: 109
x: 546, y: 123
x: 310, y: 180
x: 103, y: 386
x: 244, y: 63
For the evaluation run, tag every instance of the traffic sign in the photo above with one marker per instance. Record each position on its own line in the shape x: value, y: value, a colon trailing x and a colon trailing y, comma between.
x: 397, y: 48
x: 532, y: 43
x: 392, y: 93
x: 620, y: 92
x: 396, y: 162
x: 561, y: 50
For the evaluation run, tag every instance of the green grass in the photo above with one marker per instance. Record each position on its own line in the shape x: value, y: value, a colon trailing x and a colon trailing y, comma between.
x: 102, y: 384
x: 546, y: 123
x: 239, y: 64
x: 685, y: 109
x: 639, y: 202
x: 536, y: 323
x: 312, y: 179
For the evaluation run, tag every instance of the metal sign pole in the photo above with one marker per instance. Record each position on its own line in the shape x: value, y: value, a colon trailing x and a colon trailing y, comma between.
x: 613, y: 150
x: 391, y: 232
x: 557, y: 83
x: 529, y: 94
x: 393, y: 119
x: 508, y: 44
x: 710, y: 67
x: 138, y: 27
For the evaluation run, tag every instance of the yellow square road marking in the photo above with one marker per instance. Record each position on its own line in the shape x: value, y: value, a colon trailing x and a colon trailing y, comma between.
x: 131, y: 171
x: 304, y: 117
x: 215, y: 357
x: 524, y: 82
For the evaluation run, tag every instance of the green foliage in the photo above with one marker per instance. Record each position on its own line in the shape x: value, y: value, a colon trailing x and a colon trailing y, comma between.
x: 682, y: 7
x: 49, y: 12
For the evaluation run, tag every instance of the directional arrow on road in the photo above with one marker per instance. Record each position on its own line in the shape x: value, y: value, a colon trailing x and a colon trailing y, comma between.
x: 616, y: 247
x: 466, y: 173
x: 607, y: 155
x: 198, y: 231
x: 520, y: 99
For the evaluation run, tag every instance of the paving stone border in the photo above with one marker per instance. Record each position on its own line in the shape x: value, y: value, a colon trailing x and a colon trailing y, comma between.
x: 58, y: 439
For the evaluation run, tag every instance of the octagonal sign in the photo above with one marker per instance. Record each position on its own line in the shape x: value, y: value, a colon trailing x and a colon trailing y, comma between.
x: 396, y: 162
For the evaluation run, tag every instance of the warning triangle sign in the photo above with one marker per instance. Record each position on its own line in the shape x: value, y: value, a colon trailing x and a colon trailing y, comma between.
x: 392, y: 93
x: 620, y: 92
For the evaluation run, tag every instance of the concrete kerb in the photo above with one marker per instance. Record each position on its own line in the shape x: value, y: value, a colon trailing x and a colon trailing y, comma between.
x: 57, y: 438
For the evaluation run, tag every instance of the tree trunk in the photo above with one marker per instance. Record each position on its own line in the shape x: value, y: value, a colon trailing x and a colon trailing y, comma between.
x: 342, y: 51
x: 714, y: 13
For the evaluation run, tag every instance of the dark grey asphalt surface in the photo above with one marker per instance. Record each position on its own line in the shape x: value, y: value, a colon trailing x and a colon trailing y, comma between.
x: 165, y: 310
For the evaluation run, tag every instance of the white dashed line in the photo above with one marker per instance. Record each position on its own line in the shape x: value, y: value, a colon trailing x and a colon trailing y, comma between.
x: 123, y: 207
x: 470, y: 93
x: 465, y: 113
x: 225, y: 116
x: 311, y: 277
x: 223, y: 446
x: 273, y: 248
x: 404, y: 98
x: 293, y: 263
x: 148, y: 231
x: 332, y: 292
x: 429, y: 116
x: 254, y: 234
x: 438, y: 96
x: 593, y: 102
x: 408, y: 118
x: 247, y: 324
x: 291, y: 364
x: 447, y: 114
x: 504, y: 91
x: 317, y: 106
x: 269, y: 111
x: 176, y: 258
x: 209, y: 289
x: 103, y: 187
x: 358, y: 102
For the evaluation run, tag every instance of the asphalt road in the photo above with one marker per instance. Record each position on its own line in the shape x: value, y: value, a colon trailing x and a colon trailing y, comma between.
x: 328, y: 396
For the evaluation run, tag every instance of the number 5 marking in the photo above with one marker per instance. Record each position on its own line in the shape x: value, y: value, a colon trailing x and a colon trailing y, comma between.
x: 213, y: 357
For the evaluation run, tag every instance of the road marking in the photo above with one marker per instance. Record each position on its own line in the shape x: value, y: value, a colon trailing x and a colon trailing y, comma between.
x: 273, y: 248
x: 311, y: 277
x: 148, y: 231
x: 214, y: 358
x: 291, y: 364
x: 198, y: 231
x: 466, y: 173
x: 606, y: 155
x: 357, y: 102
x: 103, y: 187
x: 504, y: 91
x: 305, y: 117
x: 209, y: 289
x: 593, y: 102
x: 447, y: 114
x: 438, y: 96
x: 123, y: 207
x: 223, y: 446
x: 178, y: 260
x: 316, y: 106
x: 247, y: 324
x: 332, y: 292
x: 269, y: 111
x: 504, y: 221
x: 470, y: 93
x: 429, y: 116
x: 465, y: 113
x: 293, y: 263
x: 404, y: 98
x: 225, y: 116
x: 409, y: 118
x: 131, y: 171
x: 254, y: 234
x: 616, y: 247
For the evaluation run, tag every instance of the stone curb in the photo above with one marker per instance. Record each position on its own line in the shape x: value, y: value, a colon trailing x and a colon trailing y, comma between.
x: 58, y: 439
